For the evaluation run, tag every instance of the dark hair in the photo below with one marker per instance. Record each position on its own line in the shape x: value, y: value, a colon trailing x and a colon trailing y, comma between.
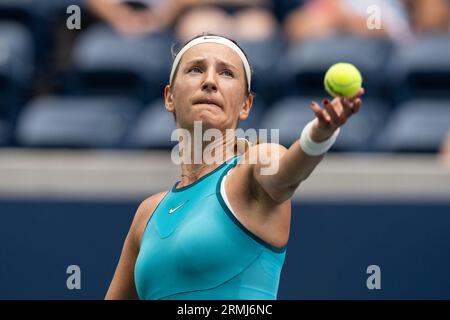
x: 176, y: 48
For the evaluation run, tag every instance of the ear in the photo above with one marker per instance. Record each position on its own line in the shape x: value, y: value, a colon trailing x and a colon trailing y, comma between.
x: 246, y: 107
x: 168, y: 98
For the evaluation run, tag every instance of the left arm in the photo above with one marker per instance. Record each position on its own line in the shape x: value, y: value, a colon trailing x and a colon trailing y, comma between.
x: 294, y: 164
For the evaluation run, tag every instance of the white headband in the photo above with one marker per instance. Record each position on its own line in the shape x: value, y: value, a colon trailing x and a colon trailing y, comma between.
x: 214, y: 39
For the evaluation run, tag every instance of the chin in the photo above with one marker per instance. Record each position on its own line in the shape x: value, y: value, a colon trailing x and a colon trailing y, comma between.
x: 209, y: 119
x: 209, y: 122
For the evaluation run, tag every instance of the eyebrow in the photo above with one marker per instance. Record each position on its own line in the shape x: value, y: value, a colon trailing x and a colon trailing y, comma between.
x: 219, y: 62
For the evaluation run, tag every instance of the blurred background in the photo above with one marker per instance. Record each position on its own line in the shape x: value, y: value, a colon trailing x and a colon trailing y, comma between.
x: 84, y: 136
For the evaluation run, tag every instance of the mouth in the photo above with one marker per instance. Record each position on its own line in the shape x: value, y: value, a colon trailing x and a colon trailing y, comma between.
x: 210, y: 102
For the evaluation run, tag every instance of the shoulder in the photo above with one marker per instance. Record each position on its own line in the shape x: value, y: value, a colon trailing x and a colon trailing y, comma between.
x: 150, y: 203
x: 269, y: 147
x: 259, y: 158
x: 144, y: 212
x: 266, y: 148
x: 262, y: 154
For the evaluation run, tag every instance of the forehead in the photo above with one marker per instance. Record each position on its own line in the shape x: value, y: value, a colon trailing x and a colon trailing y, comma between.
x: 213, y: 51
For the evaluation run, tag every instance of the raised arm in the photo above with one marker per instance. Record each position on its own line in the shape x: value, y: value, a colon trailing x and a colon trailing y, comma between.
x: 295, y: 164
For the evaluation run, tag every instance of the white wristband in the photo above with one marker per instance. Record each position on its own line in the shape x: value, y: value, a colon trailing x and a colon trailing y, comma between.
x: 315, y: 148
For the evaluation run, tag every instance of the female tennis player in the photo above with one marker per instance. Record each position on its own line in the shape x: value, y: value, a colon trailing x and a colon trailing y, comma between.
x: 221, y: 231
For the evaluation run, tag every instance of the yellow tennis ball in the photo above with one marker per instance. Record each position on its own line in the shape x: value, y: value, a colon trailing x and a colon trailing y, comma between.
x: 343, y: 80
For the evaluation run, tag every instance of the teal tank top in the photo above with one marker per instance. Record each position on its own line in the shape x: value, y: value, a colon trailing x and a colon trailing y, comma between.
x: 193, y: 247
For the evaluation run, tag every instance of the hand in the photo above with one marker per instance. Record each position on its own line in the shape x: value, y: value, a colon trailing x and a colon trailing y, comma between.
x: 333, y: 115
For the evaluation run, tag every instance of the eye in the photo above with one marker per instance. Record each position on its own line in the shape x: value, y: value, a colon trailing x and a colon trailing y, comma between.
x: 195, y: 70
x: 228, y: 73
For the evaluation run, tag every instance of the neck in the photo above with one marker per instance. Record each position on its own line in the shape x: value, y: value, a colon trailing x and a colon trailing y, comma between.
x: 199, y: 157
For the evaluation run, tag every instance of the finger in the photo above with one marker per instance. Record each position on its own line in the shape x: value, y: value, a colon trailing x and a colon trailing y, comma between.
x: 334, y: 116
x: 327, y: 117
x: 357, y: 95
x: 348, y: 107
x: 357, y: 105
x: 317, y: 111
x: 321, y: 115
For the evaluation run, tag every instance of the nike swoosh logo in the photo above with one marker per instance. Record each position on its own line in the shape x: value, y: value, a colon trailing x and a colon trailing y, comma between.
x: 172, y: 210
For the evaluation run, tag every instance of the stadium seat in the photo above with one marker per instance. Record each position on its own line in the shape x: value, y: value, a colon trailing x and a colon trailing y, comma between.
x: 304, y: 65
x: 16, y: 52
x: 262, y: 56
x: 21, y: 11
x: 282, y: 8
x: 16, y: 68
x: 76, y: 122
x: 360, y: 132
x: 4, y: 133
x: 35, y: 16
x: 153, y: 129
x: 65, y: 3
x: 416, y: 126
x: 155, y: 125
x: 107, y: 63
x: 291, y: 114
x: 253, y: 121
x: 421, y: 69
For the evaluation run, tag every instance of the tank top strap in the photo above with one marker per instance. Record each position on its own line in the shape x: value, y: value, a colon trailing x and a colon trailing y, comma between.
x: 216, y: 173
x: 231, y: 163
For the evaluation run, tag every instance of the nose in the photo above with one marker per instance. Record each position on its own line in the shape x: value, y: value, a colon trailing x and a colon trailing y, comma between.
x: 209, y: 83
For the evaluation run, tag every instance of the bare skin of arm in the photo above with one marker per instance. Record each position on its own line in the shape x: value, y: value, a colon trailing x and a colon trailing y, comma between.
x: 122, y: 285
x: 262, y: 201
x: 294, y: 164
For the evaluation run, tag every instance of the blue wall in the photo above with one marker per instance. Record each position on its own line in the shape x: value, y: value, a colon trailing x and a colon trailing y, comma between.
x: 330, y: 247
